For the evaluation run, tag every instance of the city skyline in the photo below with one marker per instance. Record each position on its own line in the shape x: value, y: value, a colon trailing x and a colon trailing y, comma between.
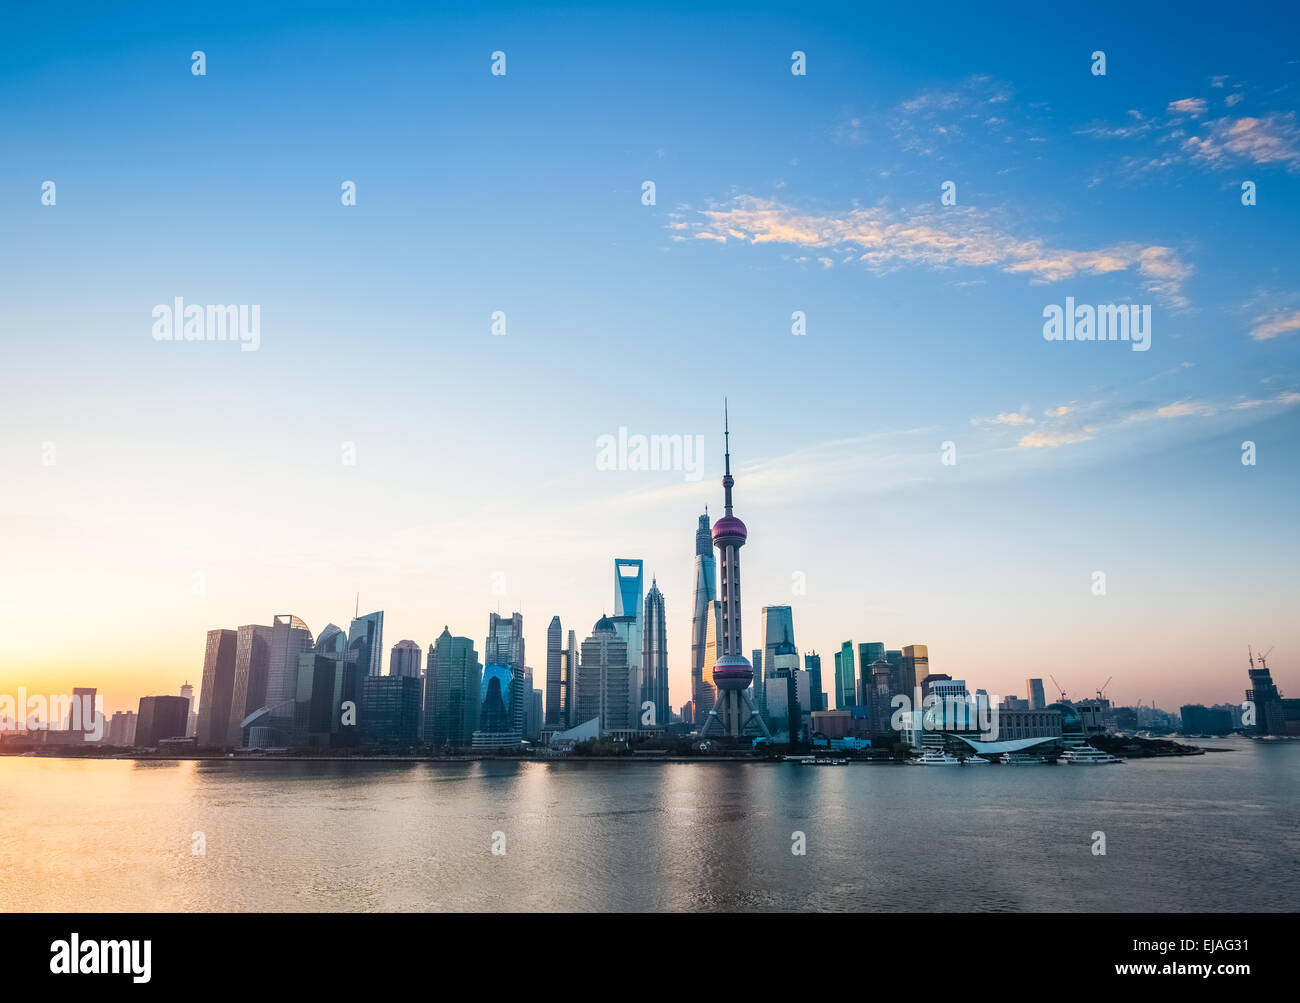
x: 386, y: 439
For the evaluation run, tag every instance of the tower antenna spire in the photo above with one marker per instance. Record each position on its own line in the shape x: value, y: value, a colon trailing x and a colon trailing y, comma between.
x: 357, y: 611
x: 727, y: 479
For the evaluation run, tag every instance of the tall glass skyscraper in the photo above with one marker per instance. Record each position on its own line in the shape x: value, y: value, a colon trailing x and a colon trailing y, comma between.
x: 846, y: 696
x: 504, y: 688
x: 366, y: 639
x: 603, y: 678
x: 706, y: 591
x: 812, y: 663
x: 451, y: 692
x: 778, y: 626
x: 248, y: 692
x: 629, y: 624
x: 216, y: 688
x: 655, y: 689
x: 556, y: 706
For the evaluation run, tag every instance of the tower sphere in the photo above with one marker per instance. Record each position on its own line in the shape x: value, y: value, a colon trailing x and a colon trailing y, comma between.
x: 732, y: 672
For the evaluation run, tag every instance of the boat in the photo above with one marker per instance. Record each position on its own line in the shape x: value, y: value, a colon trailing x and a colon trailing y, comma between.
x: 1086, y: 755
x: 933, y: 757
x: 830, y: 762
x: 1021, y: 759
x: 806, y: 760
x: 974, y: 760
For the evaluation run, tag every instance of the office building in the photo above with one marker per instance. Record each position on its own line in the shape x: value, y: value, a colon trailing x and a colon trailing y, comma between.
x: 603, y: 678
x: 655, y: 659
x: 121, y: 728
x: 777, y: 625
x: 216, y: 688
x: 916, y: 666
x: 1034, y: 693
x: 366, y: 642
x: 404, y: 659
x: 192, y: 721
x: 160, y: 717
x: 248, y: 691
x: 503, y: 689
x: 557, y: 704
x: 451, y: 692
x: 1201, y: 720
x: 812, y: 663
x: 846, y: 696
x: 389, y: 716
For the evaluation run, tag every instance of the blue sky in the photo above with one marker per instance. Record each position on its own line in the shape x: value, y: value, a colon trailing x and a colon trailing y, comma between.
x: 775, y: 193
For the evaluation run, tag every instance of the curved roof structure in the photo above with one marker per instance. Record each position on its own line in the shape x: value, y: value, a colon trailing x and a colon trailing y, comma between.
x: 1012, y: 745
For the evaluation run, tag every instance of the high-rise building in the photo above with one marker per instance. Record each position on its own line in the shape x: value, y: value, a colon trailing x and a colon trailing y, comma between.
x: 846, y: 696
x: 192, y: 721
x: 756, y: 663
x: 655, y: 656
x: 789, y: 691
x: 1270, y: 712
x: 868, y: 653
x: 777, y: 626
x: 629, y: 622
x: 556, y: 702
x: 390, y: 711
x: 404, y: 659
x: 451, y: 692
x: 916, y: 665
x: 503, y: 688
x: 366, y: 641
x: 248, y: 692
x: 81, y: 712
x: 882, y: 684
x: 812, y: 663
x: 160, y: 717
x: 734, y: 714
x: 314, y: 715
x: 533, y: 719
x: 1034, y: 691
x: 121, y: 728
x: 569, y: 678
x: 215, y: 689
x: 706, y: 591
x: 603, y: 679
x: 272, y: 727
x: 343, y: 686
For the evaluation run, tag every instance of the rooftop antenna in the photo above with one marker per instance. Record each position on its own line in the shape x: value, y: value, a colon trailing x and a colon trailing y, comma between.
x: 357, y: 612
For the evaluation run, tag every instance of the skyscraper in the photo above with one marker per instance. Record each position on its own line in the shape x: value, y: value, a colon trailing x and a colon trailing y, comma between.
x: 404, y: 659
x: 706, y: 592
x: 812, y: 663
x: 778, y: 627
x: 366, y: 640
x: 503, y: 688
x: 603, y: 678
x: 655, y: 656
x: 248, y: 692
x: 273, y: 725
x: 160, y: 717
x: 216, y: 686
x: 733, y: 714
x: 187, y: 691
x: 916, y: 665
x: 629, y: 623
x: 846, y: 696
x: 1034, y: 691
x: 868, y: 653
x: 451, y: 689
x: 556, y: 704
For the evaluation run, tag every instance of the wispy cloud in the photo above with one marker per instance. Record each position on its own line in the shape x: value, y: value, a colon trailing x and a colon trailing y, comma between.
x: 960, y: 237
x: 1272, y: 326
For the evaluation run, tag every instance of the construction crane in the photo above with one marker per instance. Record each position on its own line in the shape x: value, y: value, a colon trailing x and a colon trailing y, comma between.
x: 1058, y: 686
x: 1101, y: 692
x: 1265, y: 654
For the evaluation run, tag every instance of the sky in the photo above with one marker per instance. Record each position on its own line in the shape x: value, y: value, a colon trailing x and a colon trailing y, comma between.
x: 919, y: 465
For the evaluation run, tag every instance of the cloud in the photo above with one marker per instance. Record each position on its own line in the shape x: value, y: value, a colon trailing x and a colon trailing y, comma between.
x: 957, y: 237
x: 1270, y: 327
x: 1013, y: 418
x: 1050, y: 440
x: 1187, y: 106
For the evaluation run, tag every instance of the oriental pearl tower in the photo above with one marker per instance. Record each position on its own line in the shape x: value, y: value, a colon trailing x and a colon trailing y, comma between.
x: 733, y: 715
